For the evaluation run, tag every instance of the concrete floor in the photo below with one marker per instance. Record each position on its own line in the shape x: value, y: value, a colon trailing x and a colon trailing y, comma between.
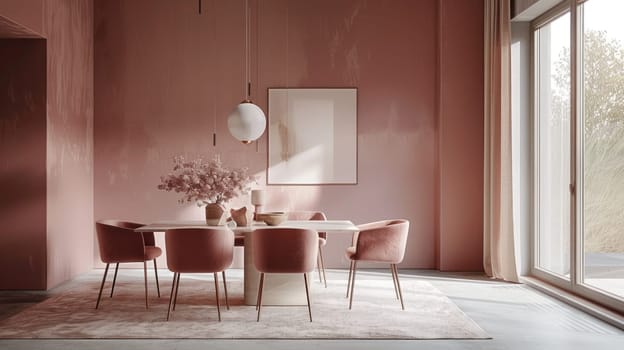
x: 605, y: 271
x: 516, y: 316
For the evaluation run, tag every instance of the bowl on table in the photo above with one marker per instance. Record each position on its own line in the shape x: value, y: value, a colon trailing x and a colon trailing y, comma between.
x: 272, y: 218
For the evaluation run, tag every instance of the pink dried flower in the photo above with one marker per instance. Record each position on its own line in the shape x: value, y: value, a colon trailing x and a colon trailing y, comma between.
x: 205, y: 182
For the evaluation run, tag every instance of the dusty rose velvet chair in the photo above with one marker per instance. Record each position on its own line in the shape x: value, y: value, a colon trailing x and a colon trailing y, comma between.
x: 322, y: 240
x: 120, y: 244
x: 199, y: 250
x: 383, y: 242
x: 284, y: 250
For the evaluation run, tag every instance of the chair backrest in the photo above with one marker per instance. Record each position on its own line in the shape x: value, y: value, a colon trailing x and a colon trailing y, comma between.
x: 382, y: 241
x: 310, y: 216
x: 118, y: 242
x: 199, y: 249
x: 285, y: 250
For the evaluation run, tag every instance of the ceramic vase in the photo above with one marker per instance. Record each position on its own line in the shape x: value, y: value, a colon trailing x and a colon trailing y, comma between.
x: 214, y: 214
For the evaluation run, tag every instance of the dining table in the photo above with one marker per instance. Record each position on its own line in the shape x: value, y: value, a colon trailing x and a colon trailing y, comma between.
x: 279, y: 288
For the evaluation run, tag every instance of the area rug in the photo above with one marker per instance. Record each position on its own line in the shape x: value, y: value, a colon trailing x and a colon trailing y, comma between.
x: 376, y: 314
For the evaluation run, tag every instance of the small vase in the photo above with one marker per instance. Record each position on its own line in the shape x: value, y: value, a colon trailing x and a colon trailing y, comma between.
x: 239, y: 216
x: 214, y: 214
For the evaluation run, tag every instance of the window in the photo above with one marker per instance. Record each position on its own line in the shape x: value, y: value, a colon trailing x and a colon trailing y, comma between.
x: 552, y: 47
x: 579, y: 149
x: 602, y: 126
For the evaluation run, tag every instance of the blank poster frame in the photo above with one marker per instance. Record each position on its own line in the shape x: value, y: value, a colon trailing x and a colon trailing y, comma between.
x: 312, y: 136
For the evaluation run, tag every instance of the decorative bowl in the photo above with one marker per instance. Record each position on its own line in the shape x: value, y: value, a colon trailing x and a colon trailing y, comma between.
x: 272, y: 218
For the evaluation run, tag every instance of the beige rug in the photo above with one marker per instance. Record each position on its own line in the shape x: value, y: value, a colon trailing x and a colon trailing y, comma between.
x: 376, y: 314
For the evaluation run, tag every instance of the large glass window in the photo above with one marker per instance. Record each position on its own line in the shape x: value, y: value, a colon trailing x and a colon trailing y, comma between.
x: 579, y: 234
x: 552, y: 47
x: 602, y: 116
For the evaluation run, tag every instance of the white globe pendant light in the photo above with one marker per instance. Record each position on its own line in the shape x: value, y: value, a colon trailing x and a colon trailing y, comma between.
x: 247, y: 122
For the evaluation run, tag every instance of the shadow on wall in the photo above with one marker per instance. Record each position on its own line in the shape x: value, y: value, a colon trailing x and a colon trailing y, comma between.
x: 23, y: 163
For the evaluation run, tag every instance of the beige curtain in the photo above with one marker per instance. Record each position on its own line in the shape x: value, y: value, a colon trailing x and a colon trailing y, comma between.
x: 498, y: 250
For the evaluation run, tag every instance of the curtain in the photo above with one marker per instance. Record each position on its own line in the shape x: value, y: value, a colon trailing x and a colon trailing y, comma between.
x: 498, y: 250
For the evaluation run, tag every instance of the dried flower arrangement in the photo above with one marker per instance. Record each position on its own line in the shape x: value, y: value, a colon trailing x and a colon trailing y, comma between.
x: 205, y: 182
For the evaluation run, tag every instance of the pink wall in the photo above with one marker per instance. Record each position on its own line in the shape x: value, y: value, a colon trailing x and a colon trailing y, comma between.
x: 28, y: 13
x: 164, y: 81
x: 386, y: 50
x: 13, y: 30
x: 22, y: 163
x: 69, y: 28
x: 166, y: 78
x: 48, y: 199
x: 461, y: 135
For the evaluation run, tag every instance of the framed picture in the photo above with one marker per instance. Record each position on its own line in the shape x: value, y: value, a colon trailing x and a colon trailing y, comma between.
x: 312, y: 136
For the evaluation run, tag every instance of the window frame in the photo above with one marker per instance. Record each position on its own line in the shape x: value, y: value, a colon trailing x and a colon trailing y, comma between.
x: 575, y: 283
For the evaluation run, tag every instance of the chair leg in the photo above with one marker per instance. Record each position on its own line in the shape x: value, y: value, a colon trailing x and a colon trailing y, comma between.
x: 145, y: 278
x: 114, y: 279
x: 349, y: 279
x: 396, y: 291
x: 318, y: 266
x: 258, y: 293
x: 260, y: 288
x: 175, y: 298
x: 227, y: 302
x: 216, y: 282
x: 173, y: 286
x: 305, y: 279
x: 352, y: 283
x: 97, y: 304
x: 396, y: 273
x: 156, y: 275
x: 323, y: 265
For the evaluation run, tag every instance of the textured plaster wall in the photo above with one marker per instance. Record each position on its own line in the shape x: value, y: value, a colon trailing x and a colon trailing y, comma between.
x: 68, y: 26
x: 46, y: 131
x: 165, y: 80
x: 461, y: 135
x: 28, y: 13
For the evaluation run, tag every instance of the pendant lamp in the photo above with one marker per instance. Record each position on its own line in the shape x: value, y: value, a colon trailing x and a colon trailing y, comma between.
x: 247, y: 121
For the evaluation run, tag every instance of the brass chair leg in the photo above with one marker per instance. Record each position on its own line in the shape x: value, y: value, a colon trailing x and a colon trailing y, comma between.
x: 156, y: 275
x: 396, y: 273
x: 260, y: 288
x: 258, y: 293
x: 175, y: 298
x: 114, y: 279
x: 305, y: 279
x: 227, y: 302
x: 216, y: 282
x: 173, y: 286
x: 352, y: 283
x: 349, y: 279
x: 323, y: 265
x: 396, y: 291
x: 97, y: 304
x: 318, y: 266
x: 145, y: 278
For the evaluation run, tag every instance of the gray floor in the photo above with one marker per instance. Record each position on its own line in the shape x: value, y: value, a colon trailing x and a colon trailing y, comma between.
x: 516, y: 316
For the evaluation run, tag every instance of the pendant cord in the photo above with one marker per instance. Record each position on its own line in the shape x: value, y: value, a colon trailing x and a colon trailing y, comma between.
x: 257, y: 25
x: 287, y: 45
x: 214, y: 64
x: 247, y: 64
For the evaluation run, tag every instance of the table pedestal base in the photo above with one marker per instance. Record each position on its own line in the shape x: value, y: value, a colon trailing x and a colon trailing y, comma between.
x: 279, y: 288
